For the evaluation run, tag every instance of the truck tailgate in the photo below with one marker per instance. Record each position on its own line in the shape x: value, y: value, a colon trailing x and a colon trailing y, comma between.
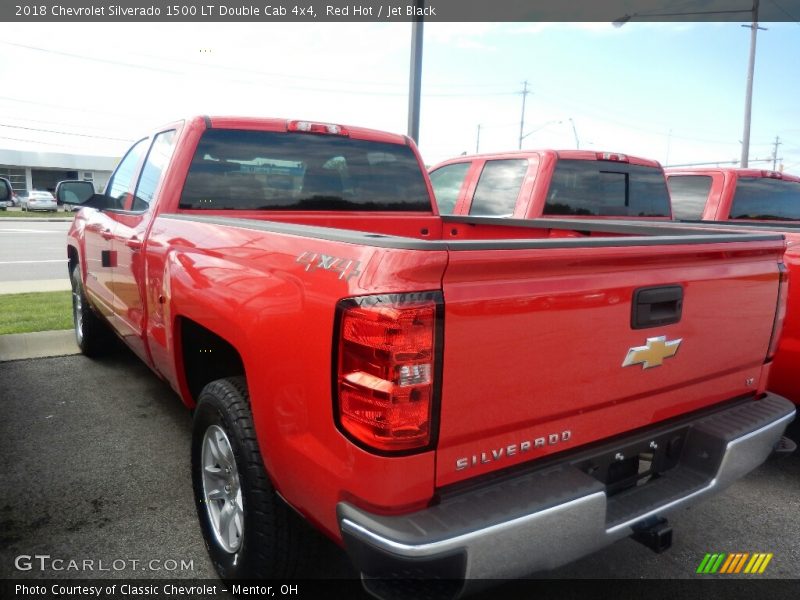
x: 535, y: 340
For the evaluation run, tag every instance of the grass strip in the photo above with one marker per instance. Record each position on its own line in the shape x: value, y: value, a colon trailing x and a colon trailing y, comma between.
x: 35, y: 311
x: 36, y: 214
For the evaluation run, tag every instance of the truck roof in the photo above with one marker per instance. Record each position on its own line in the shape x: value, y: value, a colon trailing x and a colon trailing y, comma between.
x: 565, y: 154
x: 732, y: 170
x: 281, y: 124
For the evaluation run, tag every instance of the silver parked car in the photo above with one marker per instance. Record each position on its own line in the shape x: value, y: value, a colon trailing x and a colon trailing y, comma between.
x: 39, y: 200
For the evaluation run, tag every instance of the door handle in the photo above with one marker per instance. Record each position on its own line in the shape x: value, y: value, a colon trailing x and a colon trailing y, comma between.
x: 133, y: 243
x: 654, y: 306
x: 106, y: 234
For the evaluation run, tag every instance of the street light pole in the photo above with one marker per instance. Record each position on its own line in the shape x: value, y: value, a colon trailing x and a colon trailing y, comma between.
x: 748, y: 99
x: 751, y: 66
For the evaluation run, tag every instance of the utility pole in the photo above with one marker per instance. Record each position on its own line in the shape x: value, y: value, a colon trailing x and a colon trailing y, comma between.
x: 415, y: 76
x: 478, y: 141
x: 775, y: 152
x: 522, y: 120
x: 669, y: 143
x: 748, y: 99
x: 575, y: 133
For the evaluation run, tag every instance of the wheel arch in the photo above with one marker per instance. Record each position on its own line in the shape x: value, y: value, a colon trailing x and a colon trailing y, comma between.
x: 203, y: 356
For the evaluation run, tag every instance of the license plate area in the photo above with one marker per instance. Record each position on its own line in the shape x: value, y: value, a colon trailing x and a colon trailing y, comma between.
x: 637, y: 463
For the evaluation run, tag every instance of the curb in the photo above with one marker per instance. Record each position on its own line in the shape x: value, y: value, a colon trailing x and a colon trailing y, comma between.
x: 41, y: 344
x: 33, y: 286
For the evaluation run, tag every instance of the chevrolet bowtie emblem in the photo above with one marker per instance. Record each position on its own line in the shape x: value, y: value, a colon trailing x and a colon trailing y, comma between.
x: 653, y: 354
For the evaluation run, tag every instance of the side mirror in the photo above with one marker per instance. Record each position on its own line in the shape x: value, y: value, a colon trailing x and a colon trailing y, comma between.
x: 75, y: 192
x: 99, y: 201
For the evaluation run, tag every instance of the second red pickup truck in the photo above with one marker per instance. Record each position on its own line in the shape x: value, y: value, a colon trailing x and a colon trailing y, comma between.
x: 751, y: 200
x: 451, y: 397
x: 552, y: 183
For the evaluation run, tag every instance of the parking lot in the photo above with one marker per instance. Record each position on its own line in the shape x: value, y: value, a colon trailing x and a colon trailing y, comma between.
x: 96, y: 457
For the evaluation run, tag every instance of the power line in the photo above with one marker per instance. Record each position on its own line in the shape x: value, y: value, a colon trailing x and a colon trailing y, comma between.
x: 228, y: 68
x: 3, y: 137
x: 67, y: 124
x: 84, y: 110
x: 100, y: 137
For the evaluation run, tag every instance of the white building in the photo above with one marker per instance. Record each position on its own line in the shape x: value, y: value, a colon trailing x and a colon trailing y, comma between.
x: 42, y: 170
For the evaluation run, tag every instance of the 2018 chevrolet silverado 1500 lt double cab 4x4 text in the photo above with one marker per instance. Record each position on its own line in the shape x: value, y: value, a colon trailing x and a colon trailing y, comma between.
x: 443, y: 396
x: 529, y: 184
x: 751, y: 200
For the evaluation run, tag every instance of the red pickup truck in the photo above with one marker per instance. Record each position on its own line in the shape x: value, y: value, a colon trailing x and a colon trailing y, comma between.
x: 542, y: 183
x: 752, y: 200
x: 443, y: 396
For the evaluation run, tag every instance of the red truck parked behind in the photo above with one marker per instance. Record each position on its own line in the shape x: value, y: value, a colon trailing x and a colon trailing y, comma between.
x: 752, y: 200
x: 547, y: 183
x: 443, y: 396
x: 543, y: 183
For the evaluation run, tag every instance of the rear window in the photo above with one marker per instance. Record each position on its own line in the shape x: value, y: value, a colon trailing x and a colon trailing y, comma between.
x: 256, y: 170
x: 767, y: 199
x: 601, y: 188
x: 689, y: 194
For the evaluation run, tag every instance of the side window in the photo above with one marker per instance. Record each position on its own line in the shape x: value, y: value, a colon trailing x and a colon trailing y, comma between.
x: 121, y: 180
x: 689, y: 194
x: 447, y: 182
x: 157, y: 159
x: 498, y: 188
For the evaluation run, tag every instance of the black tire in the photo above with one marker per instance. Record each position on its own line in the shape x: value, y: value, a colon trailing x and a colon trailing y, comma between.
x: 91, y: 333
x: 274, y: 542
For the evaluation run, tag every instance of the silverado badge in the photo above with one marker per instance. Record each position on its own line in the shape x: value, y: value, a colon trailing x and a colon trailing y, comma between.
x: 653, y: 354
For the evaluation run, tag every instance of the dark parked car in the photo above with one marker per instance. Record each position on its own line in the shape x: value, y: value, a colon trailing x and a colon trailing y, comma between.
x: 6, y: 194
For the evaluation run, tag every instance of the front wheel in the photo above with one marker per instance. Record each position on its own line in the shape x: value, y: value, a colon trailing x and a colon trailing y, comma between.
x: 248, y: 530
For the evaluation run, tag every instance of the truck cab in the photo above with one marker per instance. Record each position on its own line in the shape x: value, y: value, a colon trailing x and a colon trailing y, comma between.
x: 552, y: 183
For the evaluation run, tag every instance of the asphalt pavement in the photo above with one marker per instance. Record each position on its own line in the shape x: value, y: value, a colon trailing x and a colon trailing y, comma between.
x: 95, y: 460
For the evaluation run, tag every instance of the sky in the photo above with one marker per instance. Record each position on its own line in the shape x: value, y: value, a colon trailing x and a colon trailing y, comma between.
x: 674, y: 92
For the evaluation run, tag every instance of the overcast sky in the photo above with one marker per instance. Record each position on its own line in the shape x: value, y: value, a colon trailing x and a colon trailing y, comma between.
x: 673, y: 92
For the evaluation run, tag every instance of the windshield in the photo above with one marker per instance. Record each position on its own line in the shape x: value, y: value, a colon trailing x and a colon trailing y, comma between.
x: 256, y: 170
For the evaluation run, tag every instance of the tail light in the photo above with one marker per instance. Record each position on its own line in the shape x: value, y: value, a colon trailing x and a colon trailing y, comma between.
x: 780, y: 312
x: 772, y: 174
x: 387, y: 369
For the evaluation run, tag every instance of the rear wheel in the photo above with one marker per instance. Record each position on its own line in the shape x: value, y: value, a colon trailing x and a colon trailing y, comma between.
x: 91, y: 333
x: 248, y: 530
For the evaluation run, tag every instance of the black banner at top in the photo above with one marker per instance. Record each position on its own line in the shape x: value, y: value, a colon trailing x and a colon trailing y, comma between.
x: 332, y: 11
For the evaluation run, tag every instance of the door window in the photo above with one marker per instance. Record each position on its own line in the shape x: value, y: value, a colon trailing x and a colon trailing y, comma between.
x: 157, y: 159
x: 498, y: 188
x: 447, y: 182
x: 118, y: 188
